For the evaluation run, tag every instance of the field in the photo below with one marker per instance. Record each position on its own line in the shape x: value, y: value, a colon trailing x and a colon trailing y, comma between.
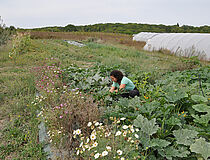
x: 46, y: 79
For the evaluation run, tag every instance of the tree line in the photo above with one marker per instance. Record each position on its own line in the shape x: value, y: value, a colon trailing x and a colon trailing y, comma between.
x: 129, y: 28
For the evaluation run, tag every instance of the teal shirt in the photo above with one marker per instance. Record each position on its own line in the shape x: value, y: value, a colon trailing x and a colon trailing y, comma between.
x: 129, y: 84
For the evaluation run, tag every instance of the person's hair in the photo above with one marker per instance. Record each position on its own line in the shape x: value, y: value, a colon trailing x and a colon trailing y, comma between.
x: 118, y: 75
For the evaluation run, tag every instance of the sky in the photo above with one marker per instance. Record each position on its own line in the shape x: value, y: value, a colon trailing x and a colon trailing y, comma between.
x: 44, y: 13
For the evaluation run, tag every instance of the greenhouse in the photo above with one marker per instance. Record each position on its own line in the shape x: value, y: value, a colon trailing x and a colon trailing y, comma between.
x: 182, y: 44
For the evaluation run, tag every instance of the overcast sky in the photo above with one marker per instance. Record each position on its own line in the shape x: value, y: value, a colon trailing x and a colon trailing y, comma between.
x: 42, y: 13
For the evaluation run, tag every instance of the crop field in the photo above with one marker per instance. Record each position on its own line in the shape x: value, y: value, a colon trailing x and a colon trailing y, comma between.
x: 45, y: 79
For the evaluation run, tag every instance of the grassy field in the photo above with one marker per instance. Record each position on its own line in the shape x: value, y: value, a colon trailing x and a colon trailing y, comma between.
x: 18, y: 120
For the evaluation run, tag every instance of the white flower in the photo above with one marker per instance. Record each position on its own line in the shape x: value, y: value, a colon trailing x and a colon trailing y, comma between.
x: 107, y: 134
x: 96, y: 124
x: 77, y: 152
x: 118, y: 133
x: 118, y: 121
x: 119, y: 152
x: 104, y: 153
x: 122, y: 119
x: 89, y: 124
x: 124, y: 134
x: 92, y: 136
x: 95, y: 144
x: 96, y: 155
x: 108, y: 148
x: 136, y: 135
x: 137, y: 129
x: 78, y: 131
x: 122, y: 158
x: 125, y: 127
x: 132, y: 130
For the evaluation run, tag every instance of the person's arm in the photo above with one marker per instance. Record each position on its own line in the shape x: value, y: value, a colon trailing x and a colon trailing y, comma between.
x: 112, y: 89
x: 122, y: 87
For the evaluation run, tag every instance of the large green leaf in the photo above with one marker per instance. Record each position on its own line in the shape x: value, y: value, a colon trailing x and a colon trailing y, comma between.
x: 159, y: 143
x: 173, y: 121
x: 185, y: 136
x: 201, y: 147
x: 199, y: 98
x: 147, y: 126
x: 201, y: 108
x: 150, y: 107
x: 170, y: 152
x: 174, y: 95
x: 203, y: 119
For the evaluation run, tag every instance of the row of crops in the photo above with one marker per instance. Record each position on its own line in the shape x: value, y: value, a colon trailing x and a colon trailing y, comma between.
x: 170, y: 119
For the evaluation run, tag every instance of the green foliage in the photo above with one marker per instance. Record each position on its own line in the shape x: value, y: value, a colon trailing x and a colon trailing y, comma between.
x: 199, y: 98
x: 5, y: 32
x: 185, y: 136
x: 201, y: 147
x: 129, y: 28
x: 148, y: 127
x: 21, y: 44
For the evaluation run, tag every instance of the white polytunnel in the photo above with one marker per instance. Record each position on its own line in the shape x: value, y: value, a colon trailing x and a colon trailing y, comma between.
x: 182, y: 44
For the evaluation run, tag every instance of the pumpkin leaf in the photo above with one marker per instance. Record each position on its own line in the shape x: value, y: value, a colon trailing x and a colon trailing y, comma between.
x: 185, y: 136
x: 199, y: 98
x: 147, y: 126
x: 201, y: 147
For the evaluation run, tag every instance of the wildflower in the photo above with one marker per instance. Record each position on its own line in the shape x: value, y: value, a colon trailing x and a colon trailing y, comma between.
x: 136, y: 135
x: 95, y: 144
x: 89, y: 124
x: 122, y: 158
x: 96, y: 155
x: 125, y: 127
x: 184, y: 115
x: 96, y: 124
x: 137, y: 129
x: 118, y: 121
x: 92, y: 136
x: 61, y: 117
x: 108, y: 148
x: 118, y: 133
x: 107, y: 134
x: 104, y: 153
x: 124, y: 133
x: 119, y: 152
x: 132, y: 130
x: 78, y: 131
x: 183, y: 112
x: 59, y: 132
x: 122, y: 119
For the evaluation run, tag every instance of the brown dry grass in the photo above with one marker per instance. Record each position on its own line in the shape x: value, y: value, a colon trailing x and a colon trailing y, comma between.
x: 90, y: 36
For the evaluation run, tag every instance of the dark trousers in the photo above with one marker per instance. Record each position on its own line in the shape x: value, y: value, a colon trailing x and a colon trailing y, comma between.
x: 132, y: 93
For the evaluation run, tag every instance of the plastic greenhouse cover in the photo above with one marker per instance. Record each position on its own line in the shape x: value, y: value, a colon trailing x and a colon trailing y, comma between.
x: 183, y: 44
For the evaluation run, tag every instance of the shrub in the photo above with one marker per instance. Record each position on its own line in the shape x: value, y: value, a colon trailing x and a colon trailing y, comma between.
x: 4, y: 33
x: 21, y: 44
